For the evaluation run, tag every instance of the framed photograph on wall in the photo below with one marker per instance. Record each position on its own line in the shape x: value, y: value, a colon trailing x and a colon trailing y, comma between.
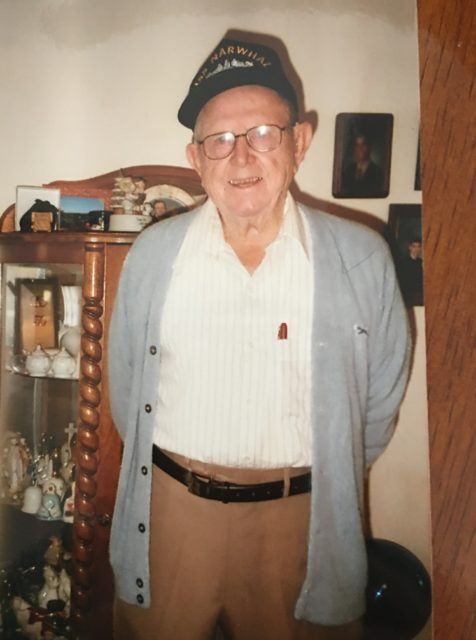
x: 405, y: 237
x: 362, y: 154
x: 36, y: 314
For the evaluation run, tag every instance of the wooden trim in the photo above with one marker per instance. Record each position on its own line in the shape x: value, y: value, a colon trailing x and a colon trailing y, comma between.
x: 448, y: 92
x: 153, y: 174
x: 101, y: 186
x: 88, y: 440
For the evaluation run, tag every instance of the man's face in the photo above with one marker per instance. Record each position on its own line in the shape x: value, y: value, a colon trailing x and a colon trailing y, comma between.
x: 159, y: 208
x: 248, y: 183
x: 361, y: 149
x: 415, y: 249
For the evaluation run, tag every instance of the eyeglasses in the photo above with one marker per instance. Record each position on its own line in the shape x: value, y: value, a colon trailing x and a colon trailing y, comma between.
x: 263, y: 138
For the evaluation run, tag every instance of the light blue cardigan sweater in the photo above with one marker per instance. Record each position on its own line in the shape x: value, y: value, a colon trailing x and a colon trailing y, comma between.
x: 360, y: 353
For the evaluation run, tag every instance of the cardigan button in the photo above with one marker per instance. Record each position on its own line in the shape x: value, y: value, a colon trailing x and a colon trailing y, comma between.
x: 153, y: 350
x: 141, y: 527
x: 139, y: 583
x: 148, y: 408
x: 144, y: 470
x: 140, y: 598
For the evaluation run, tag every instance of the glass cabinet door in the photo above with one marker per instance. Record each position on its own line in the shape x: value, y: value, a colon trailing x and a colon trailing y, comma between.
x: 40, y: 353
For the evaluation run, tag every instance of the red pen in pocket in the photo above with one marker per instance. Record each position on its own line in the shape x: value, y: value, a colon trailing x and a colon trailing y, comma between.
x: 283, y: 331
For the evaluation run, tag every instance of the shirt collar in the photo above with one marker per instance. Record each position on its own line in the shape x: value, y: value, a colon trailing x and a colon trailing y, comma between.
x: 293, y: 224
x: 208, y: 230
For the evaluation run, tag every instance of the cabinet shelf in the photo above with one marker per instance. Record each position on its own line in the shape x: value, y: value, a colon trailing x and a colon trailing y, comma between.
x: 24, y: 374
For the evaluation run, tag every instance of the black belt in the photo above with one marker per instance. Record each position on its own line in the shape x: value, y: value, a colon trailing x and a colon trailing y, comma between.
x: 228, y: 491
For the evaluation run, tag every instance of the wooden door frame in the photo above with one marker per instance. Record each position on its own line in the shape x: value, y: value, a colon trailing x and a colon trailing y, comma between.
x: 448, y: 108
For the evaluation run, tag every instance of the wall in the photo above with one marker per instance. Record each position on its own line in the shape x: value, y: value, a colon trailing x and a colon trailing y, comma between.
x: 89, y: 87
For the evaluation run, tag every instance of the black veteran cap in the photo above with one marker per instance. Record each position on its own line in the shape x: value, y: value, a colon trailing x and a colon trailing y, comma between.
x: 234, y: 64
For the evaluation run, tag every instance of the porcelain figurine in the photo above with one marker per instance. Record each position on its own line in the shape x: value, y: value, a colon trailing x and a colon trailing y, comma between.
x: 55, y: 485
x: 66, y: 454
x: 49, y: 589
x: 63, y: 365
x: 16, y: 460
x: 66, y: 470
x: 50, y: 505
x: 37, y: 363
x: 139, y: 185
x: 32, y: 499
x: 71, y: 340
x: 22, y: 611
x: 55, y: 552
x: 122, y: 200
x: 43, y: 468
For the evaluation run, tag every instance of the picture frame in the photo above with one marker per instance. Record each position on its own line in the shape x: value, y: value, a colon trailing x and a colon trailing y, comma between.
x: 362, y: 155
x: 26, y: 197
x: 82, y: 213
x: 165, y: 200
x: 37, y: 307
x: 405, y: 239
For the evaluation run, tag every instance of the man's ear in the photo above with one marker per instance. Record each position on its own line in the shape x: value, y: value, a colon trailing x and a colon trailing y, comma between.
x: 193, y: 157
x: 302, y: 140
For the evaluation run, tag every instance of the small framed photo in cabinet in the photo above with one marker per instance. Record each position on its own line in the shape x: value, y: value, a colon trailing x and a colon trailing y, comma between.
x: 36, y: 314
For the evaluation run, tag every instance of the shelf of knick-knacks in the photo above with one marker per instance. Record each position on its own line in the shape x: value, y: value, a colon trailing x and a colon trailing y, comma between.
x: 39, y: 480
x: 46, y: 363
x: 35, y: 577
x: 37, y: 494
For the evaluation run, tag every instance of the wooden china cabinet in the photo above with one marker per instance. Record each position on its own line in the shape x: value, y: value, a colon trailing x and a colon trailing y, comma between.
x: 40, y: 406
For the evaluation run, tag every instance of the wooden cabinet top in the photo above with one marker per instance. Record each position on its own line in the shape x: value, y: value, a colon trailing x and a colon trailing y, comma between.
x: 101, y: 187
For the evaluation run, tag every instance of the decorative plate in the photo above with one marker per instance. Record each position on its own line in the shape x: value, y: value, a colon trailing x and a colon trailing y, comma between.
x: 165, y: 198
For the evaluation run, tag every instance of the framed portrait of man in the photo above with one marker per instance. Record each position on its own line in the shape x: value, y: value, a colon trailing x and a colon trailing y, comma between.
x: 405, y: 237
x: 362, y: 154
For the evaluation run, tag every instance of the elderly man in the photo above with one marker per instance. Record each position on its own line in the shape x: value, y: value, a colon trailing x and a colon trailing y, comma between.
x: 255, y: 345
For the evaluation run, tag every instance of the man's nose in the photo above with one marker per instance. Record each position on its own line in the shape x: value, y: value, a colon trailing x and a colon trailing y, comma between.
x: 242, y: 153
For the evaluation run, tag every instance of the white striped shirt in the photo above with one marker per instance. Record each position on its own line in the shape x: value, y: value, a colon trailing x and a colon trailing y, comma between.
x: 230, y: 392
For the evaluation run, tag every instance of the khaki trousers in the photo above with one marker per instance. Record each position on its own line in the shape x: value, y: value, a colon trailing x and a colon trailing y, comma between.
x: 238, y: 567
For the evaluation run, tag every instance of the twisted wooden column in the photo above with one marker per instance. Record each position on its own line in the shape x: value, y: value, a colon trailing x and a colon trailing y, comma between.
x: 88, y: 422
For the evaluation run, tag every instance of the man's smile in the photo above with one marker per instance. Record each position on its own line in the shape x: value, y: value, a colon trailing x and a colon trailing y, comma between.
x: 244, y: 182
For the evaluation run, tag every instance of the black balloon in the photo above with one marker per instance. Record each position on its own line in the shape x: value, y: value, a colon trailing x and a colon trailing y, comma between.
x: 398, y: 590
